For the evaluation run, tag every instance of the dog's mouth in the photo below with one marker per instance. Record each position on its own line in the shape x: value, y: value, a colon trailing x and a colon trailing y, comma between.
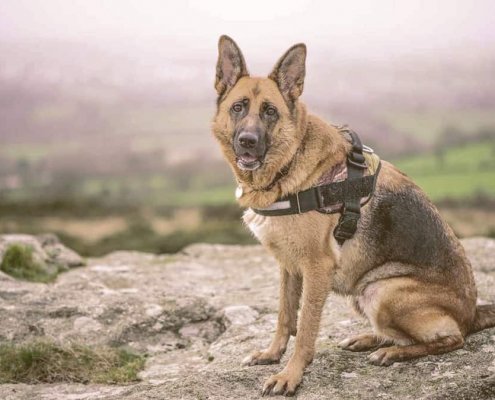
x: 248, y: 162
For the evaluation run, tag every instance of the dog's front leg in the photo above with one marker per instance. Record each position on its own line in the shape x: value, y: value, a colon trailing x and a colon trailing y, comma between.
x: 290, y: 293
x: 316, y: 286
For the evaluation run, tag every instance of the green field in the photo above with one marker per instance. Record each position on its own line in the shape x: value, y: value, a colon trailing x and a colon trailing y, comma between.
x: 456, y: 173
x: 464, y: 171
x: 163, y: 212
x: 460, y: 172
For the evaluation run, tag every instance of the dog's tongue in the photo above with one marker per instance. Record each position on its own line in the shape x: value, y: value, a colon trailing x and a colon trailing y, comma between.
x: 247, y: 158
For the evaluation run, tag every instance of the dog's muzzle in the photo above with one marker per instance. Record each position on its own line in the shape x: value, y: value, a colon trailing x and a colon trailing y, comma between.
x: 249, y: 148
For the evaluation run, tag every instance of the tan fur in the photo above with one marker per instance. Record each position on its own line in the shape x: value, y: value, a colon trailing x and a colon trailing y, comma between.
x: 419, y: 310
x: 285, y: 148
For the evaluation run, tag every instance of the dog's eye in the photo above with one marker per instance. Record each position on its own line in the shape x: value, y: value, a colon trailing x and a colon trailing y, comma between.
x: 237, y: 107
x: 270, y: 111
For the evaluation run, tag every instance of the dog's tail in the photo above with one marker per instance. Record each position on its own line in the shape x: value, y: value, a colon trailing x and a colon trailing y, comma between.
x: 485, y: 318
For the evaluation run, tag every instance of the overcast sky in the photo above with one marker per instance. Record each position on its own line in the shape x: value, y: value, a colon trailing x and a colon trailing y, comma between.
x: 368, y: 25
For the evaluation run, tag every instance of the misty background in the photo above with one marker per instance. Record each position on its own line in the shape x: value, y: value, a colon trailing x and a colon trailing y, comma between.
x: 105, y: 108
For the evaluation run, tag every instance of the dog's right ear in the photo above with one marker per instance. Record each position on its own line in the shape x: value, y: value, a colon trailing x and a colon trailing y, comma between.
x: 230, y: 65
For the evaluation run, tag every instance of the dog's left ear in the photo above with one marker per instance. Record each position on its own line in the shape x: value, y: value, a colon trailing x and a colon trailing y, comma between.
x: 230, y: 65
x: 289, y: 72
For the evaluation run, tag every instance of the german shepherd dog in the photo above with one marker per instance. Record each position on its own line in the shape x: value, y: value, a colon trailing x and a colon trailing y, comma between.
x: 404, y: 269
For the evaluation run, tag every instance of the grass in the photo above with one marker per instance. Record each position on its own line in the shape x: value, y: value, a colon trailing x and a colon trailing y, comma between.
x: 19, y: 262
x: 460, y: 172
x: 458, y: 186
x: 463, y: 174
x: 47, y: 362
x: 460, y: 159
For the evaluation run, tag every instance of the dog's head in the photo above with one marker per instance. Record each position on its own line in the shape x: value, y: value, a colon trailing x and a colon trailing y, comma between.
x: 257, y: 121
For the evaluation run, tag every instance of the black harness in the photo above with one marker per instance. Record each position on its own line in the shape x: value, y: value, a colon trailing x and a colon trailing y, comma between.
x: 349, y: 192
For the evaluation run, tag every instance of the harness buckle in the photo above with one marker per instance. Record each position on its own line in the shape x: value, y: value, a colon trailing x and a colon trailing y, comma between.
x: 347, y: 226
x: 357, y: 159
x: 307, y: 200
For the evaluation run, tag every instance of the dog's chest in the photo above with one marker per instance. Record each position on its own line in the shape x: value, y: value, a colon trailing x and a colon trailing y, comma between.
x: 293, y: 237
x: 261, y: 227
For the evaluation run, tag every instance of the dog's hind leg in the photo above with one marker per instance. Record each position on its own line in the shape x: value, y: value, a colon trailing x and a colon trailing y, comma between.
x: 388, y: 355
x: 419, y: 317
x: 290, y: 293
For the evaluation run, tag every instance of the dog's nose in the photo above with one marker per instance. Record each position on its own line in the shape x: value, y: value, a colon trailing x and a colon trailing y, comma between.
x: 248, y: 140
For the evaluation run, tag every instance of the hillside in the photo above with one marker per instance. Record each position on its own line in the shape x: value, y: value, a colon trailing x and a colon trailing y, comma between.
x: 454, y: 172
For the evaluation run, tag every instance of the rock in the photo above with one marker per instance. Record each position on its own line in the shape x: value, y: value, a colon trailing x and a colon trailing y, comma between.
x: 86, y: 325
x: 5, y: 277
x: 239, y: 315
x: 198, y: 313
x: 47, y: 250
x: 58, y: 253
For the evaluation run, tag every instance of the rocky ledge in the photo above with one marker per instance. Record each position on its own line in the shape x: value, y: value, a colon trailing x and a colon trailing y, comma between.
x: 198, y: 313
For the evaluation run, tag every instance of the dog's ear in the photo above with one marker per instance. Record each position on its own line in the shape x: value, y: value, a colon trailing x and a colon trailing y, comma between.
x: 289, y: 72
x: 230, y: 65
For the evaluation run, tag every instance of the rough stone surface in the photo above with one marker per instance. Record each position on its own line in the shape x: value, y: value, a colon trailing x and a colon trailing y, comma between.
x: 199, y: 313
x: 46, y: 248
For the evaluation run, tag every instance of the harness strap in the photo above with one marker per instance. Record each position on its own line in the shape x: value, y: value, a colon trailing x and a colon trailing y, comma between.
x: 356, y: 164
x: 319, y: 197
x: 348, y: 192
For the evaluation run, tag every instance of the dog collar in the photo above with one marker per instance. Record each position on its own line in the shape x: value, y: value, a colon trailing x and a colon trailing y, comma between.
x: 344, y: 189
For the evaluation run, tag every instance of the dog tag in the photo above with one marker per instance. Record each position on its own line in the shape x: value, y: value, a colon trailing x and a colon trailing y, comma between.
x: 239, y: 192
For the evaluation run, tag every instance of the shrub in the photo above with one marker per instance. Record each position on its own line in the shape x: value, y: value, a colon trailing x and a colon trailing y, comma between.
x: 19, y: 262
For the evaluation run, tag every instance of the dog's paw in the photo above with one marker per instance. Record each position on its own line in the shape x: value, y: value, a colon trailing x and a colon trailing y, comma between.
x: 284, y: 383
x: 360, y: 343
x: 383, y: 357
x: 348, y: 344
x: 261, y: 358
